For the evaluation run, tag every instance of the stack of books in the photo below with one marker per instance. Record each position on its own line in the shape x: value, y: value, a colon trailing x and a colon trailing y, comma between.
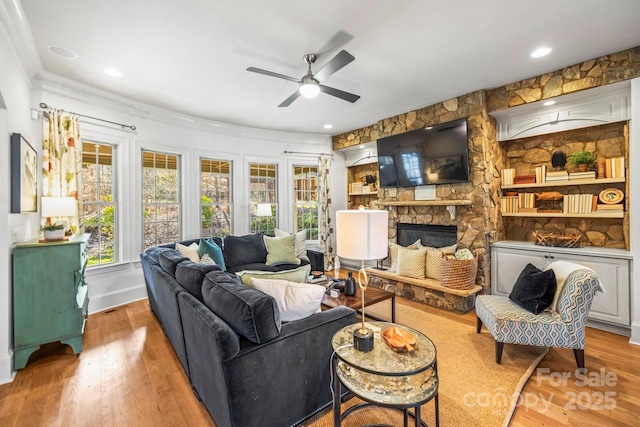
x: 608, y: 208
x: 541, y: 174
x: 509, y: 204
x: 507, y: 176
x: 318, y: 280
x: 557, y: 176
x: 614, y: 167
x: 527, y: 202
x: 579, y: 203
x: 574, y: 176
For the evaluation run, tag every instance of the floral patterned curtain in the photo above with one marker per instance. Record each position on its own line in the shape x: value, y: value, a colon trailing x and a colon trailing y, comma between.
x: 62, y: 161
x: 325, y: 232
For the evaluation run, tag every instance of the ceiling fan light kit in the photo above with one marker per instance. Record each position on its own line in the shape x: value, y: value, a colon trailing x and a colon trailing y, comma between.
x: 309, y: 84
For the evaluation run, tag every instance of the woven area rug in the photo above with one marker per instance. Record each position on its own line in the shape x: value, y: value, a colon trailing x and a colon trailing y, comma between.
x: 473, y: 390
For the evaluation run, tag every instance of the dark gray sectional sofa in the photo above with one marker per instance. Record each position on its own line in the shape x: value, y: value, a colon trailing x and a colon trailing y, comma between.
x: 247, y: 367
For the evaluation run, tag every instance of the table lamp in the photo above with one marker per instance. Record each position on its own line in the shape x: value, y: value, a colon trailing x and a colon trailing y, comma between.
x: 57, y: 207
x: 362, y: 235
x: 264, y: 209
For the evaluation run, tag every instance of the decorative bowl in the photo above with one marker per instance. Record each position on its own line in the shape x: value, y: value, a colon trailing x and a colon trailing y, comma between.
x: 317, y: 274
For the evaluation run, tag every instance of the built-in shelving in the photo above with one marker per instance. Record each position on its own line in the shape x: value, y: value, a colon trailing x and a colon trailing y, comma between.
x: 566, y: 183
x: 616, y: 214
x: 367, y: 193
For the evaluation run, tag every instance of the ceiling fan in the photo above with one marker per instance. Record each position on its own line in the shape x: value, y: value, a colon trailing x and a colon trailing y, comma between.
x: 310, y: 83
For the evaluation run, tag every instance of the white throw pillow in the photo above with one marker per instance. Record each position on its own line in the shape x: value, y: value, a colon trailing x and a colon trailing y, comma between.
x: 295, y: 300
x: 411, y: 262
x: 562, y: 270
x: 190, y: 251
x: 206, y: 260
x: 301, y: 243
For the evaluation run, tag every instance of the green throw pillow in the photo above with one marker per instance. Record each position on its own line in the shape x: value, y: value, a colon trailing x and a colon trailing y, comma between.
x: 210, y: 247
x: 281, y: 250
x: 298, y: 275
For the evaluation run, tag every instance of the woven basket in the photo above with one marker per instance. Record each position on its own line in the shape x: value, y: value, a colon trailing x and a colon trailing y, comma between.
x: 557, y: 240
x: 459, y: 273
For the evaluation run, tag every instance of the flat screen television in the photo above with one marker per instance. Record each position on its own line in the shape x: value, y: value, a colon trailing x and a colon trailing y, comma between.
x: 433, y: 155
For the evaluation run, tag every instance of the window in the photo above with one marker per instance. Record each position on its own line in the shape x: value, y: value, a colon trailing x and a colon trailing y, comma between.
x: 411, y: 162
x: 263, y: 188
x: 99, y: 202
x: 305, y: 193
x: 215, y: 198
x: 160, y: 198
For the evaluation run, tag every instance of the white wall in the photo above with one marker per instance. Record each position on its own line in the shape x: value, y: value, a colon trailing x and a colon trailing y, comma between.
x: 15, y: 92
x: 634, y: 206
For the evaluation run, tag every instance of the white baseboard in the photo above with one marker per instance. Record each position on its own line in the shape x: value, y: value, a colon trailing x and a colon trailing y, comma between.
x: 120, y: 297
x: 635, y: 334
x: 6, y: 368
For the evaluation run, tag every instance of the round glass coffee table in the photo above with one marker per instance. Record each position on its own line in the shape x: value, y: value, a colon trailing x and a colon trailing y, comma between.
x: 384, y: 377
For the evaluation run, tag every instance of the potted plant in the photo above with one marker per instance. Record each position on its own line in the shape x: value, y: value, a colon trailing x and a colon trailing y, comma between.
x: 54, y: 231
x: 582, y: 159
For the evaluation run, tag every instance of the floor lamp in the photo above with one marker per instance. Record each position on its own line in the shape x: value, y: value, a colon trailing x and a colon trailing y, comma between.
x: 362, y: 235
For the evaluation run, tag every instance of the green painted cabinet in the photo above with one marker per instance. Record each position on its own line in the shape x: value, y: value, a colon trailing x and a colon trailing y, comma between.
x: 50, y: 296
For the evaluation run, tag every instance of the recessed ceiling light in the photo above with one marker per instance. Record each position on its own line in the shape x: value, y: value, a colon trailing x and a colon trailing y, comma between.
x: 113, y: 72
x: 542, y: 51
x: 548, y: 103
x: 62, y: 51
x: 328, y: 126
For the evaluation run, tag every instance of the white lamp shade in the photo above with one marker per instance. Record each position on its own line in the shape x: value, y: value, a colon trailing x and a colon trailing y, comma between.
x: 264, y: 209
x: 362, y: 234
x: 58, y: 206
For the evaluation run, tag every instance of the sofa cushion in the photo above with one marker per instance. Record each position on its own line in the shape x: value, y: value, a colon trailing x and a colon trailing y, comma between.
x: 211, y: 248
x: 534, y: 289
x: 154, y: 254
x: 190, y: 276
x: 170, y: 259
x: 301, y: 243
x: 295, y: 300
x: 411, y: 262
x: 281, y: 250
x: 190, y: 251
x: 300, y: 275
x: 244, y: 250
x: 249, y: 312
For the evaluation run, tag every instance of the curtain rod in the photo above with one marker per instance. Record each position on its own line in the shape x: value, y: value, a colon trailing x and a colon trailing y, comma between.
x: 308, y: 154
x: 46, y: 107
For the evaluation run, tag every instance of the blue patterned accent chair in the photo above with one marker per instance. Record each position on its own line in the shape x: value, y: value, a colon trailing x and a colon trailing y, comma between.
x: 565, y: 327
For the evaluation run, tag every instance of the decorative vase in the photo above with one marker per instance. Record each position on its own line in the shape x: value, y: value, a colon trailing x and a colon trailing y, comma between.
x: 350, y: 285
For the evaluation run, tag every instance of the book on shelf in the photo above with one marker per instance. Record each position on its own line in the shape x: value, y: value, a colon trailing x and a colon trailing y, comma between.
x: 557, y: 178
x: 541, y: 174
x: 577, y: 203
x: 614, y: 167
x: 574, y: 176
x: 526, y: 201
x: 509, y: 204
x: 528, y: 210
x: 603, y: 207
x: 507, y: 176
x: 557, y: 173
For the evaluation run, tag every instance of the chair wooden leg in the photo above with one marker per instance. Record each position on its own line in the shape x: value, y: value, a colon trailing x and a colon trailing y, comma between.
x: 579, y: 355
x: 499, y: 346
x: 478, y: 325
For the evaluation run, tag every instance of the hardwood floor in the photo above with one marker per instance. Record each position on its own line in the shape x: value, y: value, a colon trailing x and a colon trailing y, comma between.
x: 128, y: 375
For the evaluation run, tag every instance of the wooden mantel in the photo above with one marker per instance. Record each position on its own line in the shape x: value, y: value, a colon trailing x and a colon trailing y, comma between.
x: 450, y: 204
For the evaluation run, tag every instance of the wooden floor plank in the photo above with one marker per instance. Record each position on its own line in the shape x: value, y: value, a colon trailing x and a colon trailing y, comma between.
x: 128, y: 375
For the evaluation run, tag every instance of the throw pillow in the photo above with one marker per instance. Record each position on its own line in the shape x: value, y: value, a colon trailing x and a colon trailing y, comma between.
x: 534, y: 289
x: 190, y: 251
x: 393, y: 253
x: 411, y: 262
x: 239, y: 250
x: 299, y: 275
x: 295, y: 300
x: 211, y: 248
x: 301, y: 243
x: 433, y: 262
x: 281, y: 250
x: 249, y: 312
x: 206, y: 260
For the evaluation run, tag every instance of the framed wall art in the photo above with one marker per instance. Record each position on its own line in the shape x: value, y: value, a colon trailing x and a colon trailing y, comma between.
x: 24, y: 175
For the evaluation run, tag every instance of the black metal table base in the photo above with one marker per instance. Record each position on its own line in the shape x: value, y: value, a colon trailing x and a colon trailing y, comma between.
x: 405, y: 411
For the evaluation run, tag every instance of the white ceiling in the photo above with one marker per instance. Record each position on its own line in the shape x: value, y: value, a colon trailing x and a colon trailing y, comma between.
x: 190, y: 56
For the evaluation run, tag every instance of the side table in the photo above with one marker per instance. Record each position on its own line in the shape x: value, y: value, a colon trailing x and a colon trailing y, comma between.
x: 384, y: 377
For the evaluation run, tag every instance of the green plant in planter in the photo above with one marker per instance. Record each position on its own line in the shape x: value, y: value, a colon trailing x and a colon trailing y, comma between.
x: 53, y: 226
x: 582, y: 158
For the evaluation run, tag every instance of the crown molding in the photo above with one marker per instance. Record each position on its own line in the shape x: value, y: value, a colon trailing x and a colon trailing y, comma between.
x: 16, y: 26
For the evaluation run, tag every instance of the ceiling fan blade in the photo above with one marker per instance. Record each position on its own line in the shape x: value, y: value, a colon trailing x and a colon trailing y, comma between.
x: 272, y: 74
x: 340, y: 60
x: 339, y: 93
x: 290, y: 99
x: 338, y: 40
